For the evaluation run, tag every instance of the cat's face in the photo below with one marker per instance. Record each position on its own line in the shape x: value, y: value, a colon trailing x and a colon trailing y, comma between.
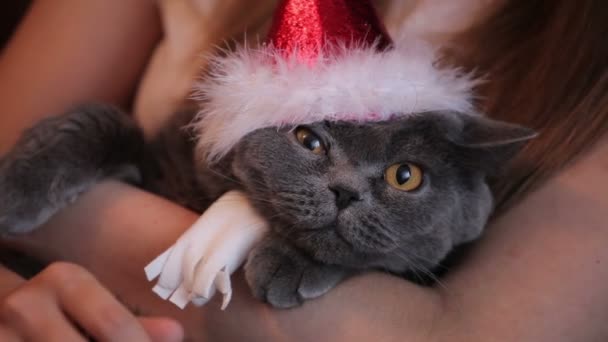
x: 396, y: 195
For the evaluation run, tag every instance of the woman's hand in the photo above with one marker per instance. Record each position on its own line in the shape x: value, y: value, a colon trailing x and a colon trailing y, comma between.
x: 66, y: 303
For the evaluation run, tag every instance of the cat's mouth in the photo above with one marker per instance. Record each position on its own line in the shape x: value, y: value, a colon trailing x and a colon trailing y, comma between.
x: 336, y: 242
x: 326, y: 244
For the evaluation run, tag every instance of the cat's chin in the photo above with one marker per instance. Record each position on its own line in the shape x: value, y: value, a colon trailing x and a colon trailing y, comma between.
x: 327, y: 245
x: 323, y: 244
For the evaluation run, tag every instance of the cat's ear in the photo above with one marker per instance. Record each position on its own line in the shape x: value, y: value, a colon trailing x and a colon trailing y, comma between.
x: 481, y: 132
x: 489, y: 143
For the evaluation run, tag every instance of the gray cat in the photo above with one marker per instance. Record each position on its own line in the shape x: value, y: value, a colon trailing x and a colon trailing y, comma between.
x: 340, y: 197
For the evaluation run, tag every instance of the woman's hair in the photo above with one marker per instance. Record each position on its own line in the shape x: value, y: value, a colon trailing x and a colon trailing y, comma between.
x: 546, y: 62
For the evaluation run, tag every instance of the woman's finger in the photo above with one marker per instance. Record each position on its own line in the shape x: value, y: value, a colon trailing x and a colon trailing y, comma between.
x: 31, y: 313
x: 162, y: 329
x: 9, y: 335
x: 91, y: 306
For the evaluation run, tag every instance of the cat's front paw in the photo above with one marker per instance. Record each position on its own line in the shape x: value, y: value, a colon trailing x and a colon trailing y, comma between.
x: 21, y: 205
x: 284, y: 277
x: 60, y: 158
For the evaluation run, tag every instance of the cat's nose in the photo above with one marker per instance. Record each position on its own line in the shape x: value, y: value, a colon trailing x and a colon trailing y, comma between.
x: 344, y: 195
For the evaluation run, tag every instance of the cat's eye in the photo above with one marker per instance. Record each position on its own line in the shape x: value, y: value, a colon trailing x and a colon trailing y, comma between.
x: 405, y: 176
x: 310, y: 140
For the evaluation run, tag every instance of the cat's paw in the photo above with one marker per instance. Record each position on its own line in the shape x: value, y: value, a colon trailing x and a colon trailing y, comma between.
x: 32, y: 190
x: 60, y: 158
x: 284, y: 277
x: 22, y: 206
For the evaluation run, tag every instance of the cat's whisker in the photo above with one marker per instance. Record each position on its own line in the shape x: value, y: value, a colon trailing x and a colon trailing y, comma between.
x: 269, y: 218
x: 385, y: 237
x: 439, y: 283
x: 289, y: 231
x: 415, y: 255
x: 415, y: 266
x: 398, y: 248
x: 412, y: 266
x: 231, y: 179
x: 372, y: 221
x: 234, y: 180
x: 430, y: 274
x: 256, y: 199
x: 217, y: 173
x: 301, y: 233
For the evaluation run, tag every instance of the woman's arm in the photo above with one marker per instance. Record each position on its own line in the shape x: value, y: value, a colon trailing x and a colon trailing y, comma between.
x: 66, y: 52
x: 539, y: 273
x: 115, y: 230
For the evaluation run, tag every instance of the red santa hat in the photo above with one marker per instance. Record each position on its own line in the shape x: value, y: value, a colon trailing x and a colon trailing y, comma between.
x: 323, y: 60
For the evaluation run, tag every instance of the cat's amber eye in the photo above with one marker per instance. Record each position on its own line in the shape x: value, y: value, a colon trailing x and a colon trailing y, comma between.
x: 405, y: 176
x: 310, y: 140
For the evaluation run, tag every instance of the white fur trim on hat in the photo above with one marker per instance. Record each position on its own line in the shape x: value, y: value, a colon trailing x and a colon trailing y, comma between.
x: 257, y: 88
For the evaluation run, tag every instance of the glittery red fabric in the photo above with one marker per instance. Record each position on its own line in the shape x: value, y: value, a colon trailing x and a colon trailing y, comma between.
x: 312, y: 25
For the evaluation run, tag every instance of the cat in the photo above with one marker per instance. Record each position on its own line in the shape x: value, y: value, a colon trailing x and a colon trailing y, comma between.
x: 340, y: 197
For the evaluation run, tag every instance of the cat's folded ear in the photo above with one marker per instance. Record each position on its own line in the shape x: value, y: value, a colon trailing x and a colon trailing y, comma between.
x: 487, y: 143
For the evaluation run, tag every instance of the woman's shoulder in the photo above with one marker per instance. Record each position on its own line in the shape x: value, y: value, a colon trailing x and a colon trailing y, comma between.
x: 545, y: 254
x: 575, y: 196
x: 585, y: 179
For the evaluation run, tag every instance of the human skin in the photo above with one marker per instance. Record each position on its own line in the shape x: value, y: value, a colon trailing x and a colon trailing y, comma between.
x: 38, y: 310
x: 66, y: 52
x: 538, y: 274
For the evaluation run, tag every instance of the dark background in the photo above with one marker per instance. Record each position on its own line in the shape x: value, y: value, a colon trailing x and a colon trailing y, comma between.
x: 11, y: 12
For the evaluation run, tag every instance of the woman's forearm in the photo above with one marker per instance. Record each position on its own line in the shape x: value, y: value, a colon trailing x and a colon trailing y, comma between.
x: 115, y: 230
x: 66, y: 52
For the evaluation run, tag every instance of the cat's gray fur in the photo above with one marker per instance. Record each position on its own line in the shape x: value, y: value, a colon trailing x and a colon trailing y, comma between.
x: 314, y: 243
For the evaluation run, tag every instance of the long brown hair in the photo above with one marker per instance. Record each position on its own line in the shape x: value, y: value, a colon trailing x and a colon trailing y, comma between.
x: 547, y: 67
